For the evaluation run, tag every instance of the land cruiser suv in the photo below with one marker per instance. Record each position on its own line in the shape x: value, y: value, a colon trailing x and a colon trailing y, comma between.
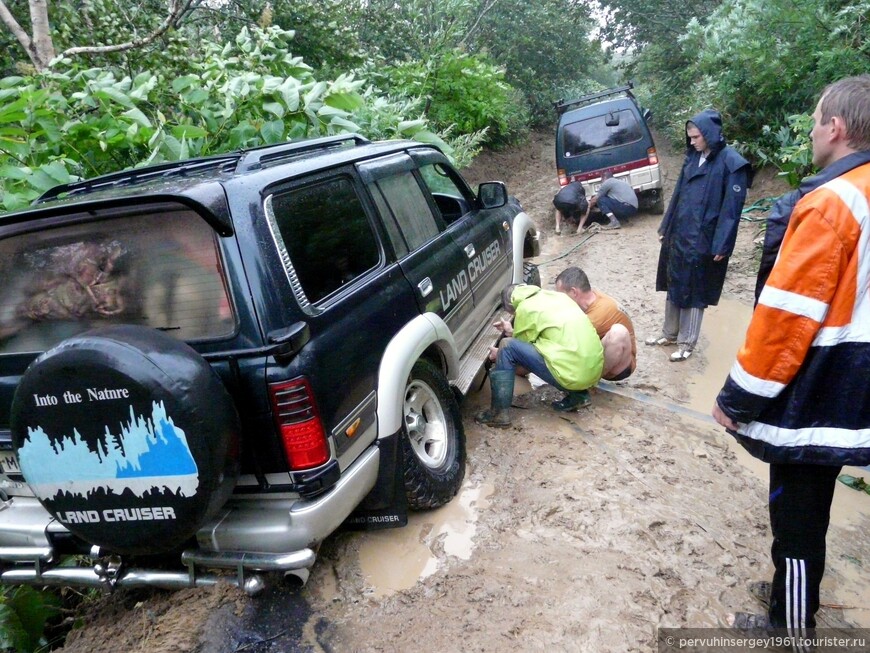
x: 216, y: 363
x: 607, y: 131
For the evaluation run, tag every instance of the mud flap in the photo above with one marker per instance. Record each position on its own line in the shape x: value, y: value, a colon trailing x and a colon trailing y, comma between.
x: 386, y: 506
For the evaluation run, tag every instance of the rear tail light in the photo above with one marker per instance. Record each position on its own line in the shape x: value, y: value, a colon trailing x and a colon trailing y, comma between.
x: 652, y: 156
x: 563, y: 178
x: 298, y: 422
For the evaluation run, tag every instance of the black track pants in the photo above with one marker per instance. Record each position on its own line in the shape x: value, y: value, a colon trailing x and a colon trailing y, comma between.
x: 800, y: 510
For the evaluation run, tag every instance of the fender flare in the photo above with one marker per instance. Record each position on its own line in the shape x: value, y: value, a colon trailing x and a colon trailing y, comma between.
x: 522, y: 224
x: 405, y: 349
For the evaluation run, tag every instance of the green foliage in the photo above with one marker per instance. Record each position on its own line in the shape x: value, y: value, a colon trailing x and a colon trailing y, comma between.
x: 69, y: 123
x: 462, y: 92
x: 326, y: 31
x: 547, y: 49
x: 543, y: 47
x: 760, y: 63
x: 24, y: 612
x: 639, y: 23
x: 788, y: 147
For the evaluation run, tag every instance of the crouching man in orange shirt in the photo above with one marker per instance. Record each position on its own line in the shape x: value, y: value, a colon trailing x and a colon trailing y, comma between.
x: 613, y: 325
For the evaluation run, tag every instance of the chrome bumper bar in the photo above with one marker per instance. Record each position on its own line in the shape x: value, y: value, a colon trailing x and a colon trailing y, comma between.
x: 101, y: 576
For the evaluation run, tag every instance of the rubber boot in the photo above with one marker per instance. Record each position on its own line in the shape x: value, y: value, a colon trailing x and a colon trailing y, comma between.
x: 501, y: 384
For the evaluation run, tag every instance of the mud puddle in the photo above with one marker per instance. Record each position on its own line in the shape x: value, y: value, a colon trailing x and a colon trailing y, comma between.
x: 396, y: 559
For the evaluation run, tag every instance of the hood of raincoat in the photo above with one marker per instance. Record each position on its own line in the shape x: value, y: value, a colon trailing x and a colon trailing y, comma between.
x: 709, y: 123
x: 523, y: 292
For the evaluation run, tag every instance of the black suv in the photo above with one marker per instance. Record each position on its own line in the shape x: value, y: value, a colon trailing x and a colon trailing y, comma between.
x: 219, y: 362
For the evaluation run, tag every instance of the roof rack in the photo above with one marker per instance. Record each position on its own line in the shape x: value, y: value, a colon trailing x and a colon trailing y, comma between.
x: 258, y: 157
x: 127, y: 177
x: 241, y: 161
x: 561, y: 106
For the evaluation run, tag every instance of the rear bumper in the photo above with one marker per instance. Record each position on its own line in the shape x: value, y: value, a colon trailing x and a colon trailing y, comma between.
x: 249, y: 534
x: 642, y: 178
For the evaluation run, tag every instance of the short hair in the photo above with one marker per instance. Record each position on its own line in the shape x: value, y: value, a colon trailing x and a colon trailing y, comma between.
x: 849, y: 100
x: 574, y: 277
x: 506, y: 297
x: 607, y: 174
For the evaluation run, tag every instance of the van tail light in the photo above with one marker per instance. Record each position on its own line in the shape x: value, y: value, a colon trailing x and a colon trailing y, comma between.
x: 652, y: 156
x: 298, y: 422
x: 563, y: 178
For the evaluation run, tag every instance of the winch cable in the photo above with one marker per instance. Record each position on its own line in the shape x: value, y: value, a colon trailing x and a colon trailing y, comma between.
x: 589, y: 233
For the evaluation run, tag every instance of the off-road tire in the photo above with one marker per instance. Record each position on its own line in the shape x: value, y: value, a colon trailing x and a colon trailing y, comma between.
x: 433, y: 440
x: 658, y: 206
x: 531, y: 274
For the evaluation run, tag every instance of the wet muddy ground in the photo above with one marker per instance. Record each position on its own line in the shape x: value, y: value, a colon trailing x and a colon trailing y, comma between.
x: 578, y: 532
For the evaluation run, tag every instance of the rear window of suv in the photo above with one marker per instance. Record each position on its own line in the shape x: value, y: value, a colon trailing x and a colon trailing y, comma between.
x: 593, y: 133
x: 159, y: 269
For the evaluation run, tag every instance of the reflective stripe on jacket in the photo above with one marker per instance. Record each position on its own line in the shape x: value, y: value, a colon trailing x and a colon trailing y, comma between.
x: 800, y: 388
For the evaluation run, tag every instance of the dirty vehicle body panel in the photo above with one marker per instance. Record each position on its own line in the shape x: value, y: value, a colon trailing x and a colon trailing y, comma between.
x: 300, y: 310
x: 607, y: 131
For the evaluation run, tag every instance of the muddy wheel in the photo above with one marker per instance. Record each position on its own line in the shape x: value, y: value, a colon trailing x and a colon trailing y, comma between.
x: 433, y: 445
x: 658, y: 206
x: 531, y: 274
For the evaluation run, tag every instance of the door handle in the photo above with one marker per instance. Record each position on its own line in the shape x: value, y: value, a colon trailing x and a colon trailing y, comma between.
x: 425, y: 287
x: 469, y: 249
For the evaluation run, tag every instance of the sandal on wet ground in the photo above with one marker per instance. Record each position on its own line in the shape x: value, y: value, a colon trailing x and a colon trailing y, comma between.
x: 659, y: 341
x: 681, y: 354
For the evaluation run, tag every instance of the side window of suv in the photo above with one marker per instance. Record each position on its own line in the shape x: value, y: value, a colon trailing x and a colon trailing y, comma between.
x: 593, y: 133
x: 410, y: 210
x: 451, y: 198
x: 326, y: 234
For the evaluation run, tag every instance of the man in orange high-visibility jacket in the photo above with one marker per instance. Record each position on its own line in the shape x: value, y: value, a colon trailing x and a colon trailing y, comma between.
x: 798, y: 396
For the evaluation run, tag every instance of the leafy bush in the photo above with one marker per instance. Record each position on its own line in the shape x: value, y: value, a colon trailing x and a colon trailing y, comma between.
x: 789, y: 148
x: 760, y: 63
x: 24, y: 612
x: 69, y: 123
x: 462, y: 92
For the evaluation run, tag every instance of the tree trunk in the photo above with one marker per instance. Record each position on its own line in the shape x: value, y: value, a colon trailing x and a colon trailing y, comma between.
x: 40, y: 48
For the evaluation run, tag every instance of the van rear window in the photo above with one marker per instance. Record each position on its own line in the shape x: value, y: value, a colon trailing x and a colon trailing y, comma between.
x: 595, y: 133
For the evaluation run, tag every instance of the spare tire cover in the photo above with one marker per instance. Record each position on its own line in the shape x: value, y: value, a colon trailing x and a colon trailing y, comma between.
x: 127, y: 437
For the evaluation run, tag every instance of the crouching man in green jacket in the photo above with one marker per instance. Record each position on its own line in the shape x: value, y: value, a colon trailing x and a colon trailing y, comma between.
x: 553, y: 339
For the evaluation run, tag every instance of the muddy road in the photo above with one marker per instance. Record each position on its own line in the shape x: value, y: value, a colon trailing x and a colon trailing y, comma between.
x: 578, y: 532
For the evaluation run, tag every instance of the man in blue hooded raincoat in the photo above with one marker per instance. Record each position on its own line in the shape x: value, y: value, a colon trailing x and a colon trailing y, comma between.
x: 698, y: 231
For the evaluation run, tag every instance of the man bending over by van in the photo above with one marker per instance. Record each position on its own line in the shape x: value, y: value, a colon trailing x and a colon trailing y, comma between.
x: 612, y: 324
x: 571, y: 205
x: 615, y: 199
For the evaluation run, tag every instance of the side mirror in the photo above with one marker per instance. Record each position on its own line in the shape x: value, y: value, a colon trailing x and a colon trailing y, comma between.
x: 647, y: 115
x: 492, y: 194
